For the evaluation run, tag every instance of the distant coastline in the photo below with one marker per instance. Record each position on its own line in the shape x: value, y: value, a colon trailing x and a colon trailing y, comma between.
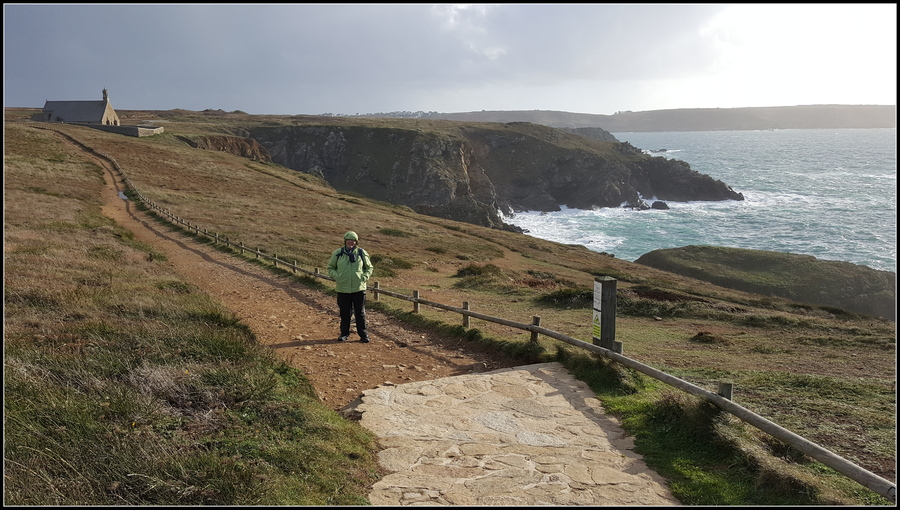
x: 686, y: 119
x: 692, y: 119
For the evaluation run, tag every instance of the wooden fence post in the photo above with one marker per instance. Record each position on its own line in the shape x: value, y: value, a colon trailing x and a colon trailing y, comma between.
x: 416, y: 302
x: 465, y: 321
x: 726, y: 389
x: 535, y: 321
x: 376, y: 286
x: 604, y: 321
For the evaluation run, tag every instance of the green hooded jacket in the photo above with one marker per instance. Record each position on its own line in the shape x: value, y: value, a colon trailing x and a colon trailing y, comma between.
x: 350, y: 275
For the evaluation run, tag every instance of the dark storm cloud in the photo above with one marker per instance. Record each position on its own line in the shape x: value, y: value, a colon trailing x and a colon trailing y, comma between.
x: 356, y: 58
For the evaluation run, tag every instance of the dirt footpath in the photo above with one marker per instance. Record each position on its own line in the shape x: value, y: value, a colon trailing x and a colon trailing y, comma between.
x: 301, y: 325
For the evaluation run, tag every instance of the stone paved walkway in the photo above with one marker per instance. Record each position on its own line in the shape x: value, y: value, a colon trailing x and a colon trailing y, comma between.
x: 530, y: 435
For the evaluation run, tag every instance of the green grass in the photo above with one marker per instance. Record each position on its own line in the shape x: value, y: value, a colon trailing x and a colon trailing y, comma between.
x: 220, y: 423
x: 107, y: 359
x: 798, y: 277
x: 395, y: 232
x: 568, y: 298
x: 124, y: 385
x: 707, y: 456
x: 191, y: 411
x: 387, y: 266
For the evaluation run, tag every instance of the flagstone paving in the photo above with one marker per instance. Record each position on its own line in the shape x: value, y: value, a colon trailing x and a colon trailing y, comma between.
x: 529, y: 435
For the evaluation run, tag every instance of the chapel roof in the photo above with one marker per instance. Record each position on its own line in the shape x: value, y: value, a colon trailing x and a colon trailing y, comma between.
x: 77, y: 111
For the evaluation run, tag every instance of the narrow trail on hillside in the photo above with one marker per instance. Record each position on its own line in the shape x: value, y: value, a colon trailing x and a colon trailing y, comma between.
x: 299, y: 323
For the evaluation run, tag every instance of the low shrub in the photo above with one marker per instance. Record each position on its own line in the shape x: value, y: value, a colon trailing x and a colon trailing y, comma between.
x: 567, y: 298
x: 395, y: 232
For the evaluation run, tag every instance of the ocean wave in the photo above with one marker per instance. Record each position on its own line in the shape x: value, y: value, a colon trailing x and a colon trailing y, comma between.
x: 831, y: 195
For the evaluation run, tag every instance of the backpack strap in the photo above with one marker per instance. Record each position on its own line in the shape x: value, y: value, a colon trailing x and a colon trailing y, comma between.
x: 362, y: 252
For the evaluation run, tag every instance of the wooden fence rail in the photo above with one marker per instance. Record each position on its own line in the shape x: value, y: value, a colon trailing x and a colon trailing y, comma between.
x: 722, y: 399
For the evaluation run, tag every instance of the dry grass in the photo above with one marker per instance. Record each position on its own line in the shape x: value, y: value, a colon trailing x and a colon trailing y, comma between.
x: 763, y: 344
x: 283, y: 212
x: 125, y: 386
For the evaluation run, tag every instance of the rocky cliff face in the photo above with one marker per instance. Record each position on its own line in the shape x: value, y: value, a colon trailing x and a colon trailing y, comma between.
x: 593, y: 132
x: 240, y: 146
x: 477, y: 173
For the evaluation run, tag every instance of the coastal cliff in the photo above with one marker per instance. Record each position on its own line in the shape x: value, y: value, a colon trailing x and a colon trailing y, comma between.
x: 244, y: 147
x: 800, y: 278
x: 690, y: 119
x: 477, y: 172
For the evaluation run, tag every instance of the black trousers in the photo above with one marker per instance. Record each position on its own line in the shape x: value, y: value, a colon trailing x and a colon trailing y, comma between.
x: 353, y: 303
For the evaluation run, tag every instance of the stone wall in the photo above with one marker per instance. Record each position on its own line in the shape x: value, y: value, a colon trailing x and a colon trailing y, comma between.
x: 125, y: 130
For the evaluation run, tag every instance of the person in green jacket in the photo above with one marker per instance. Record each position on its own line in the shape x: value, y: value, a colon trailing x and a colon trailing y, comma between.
x: 351, y: 268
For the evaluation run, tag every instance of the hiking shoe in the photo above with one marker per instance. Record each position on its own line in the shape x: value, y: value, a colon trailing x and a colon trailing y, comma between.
x: 364, y: 340
x: 342, y: 338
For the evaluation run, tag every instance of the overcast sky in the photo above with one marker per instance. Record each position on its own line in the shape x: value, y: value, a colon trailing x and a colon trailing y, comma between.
x: 348, y: 59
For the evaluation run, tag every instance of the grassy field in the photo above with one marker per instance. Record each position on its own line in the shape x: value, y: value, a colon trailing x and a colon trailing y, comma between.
x: 124, y: 385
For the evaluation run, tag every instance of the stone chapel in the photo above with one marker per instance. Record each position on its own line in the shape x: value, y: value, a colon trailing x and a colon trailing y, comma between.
x: 81, y: 112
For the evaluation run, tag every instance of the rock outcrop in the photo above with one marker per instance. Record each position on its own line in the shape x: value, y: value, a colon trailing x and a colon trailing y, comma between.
x: 478, y: 172
x: 593, y: 132
x: 239, y: 146
x: 800, y: 278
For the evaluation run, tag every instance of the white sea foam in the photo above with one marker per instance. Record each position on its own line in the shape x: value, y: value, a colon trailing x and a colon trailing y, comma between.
x: 827, y: 193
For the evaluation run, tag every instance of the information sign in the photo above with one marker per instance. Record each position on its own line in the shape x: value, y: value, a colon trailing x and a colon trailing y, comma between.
x: 595, y: 322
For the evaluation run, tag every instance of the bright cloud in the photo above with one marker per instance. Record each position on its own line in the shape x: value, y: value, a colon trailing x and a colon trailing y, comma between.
x: 363, y: 58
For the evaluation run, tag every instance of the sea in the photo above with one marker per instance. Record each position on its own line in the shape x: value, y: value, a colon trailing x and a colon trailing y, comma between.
x: 829, y: 193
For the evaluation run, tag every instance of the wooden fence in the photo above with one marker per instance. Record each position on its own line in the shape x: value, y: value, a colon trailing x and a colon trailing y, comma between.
x: 722, y: 399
